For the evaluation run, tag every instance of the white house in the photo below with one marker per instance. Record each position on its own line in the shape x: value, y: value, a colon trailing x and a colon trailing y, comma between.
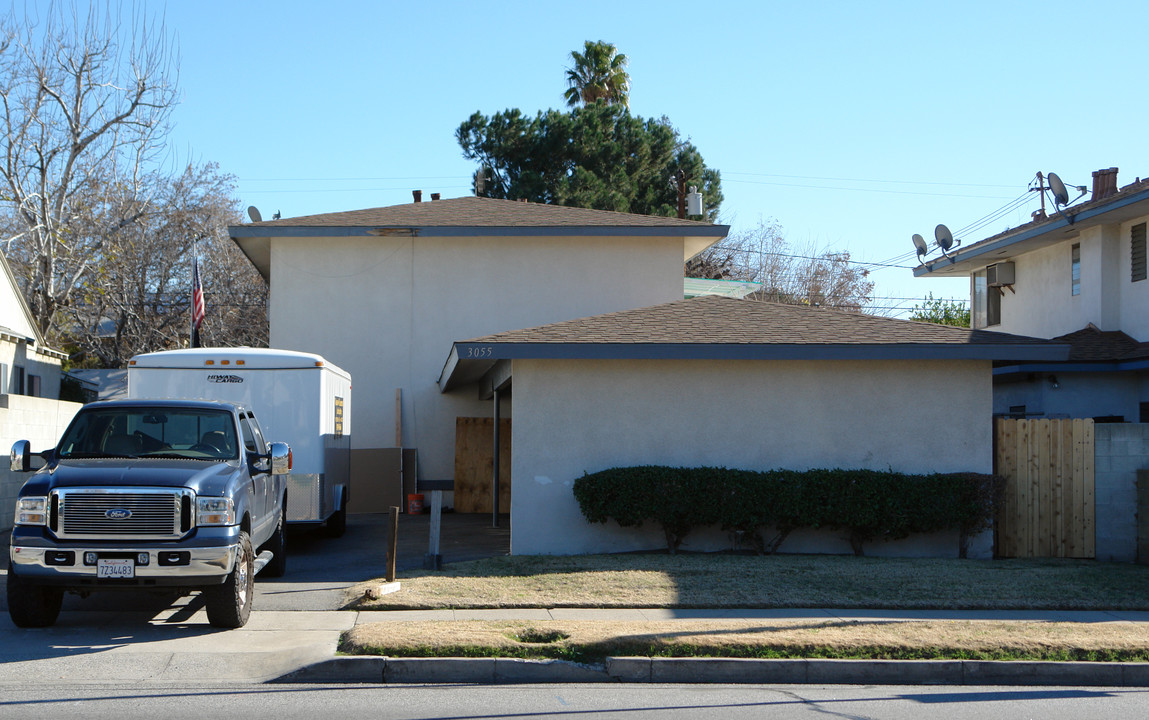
x: 614, y: 367
x: 29, y: 386
x: 734, y: 383
x: 384, y: 292
x: 1078, y: 276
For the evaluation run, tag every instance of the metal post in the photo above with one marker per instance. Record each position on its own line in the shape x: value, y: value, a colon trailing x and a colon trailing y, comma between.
x: 495, y: 482
x: 433, y: 560
x: 393, y: 544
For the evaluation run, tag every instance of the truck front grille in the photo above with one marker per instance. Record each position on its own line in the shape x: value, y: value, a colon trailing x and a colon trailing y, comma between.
x: 138, y: 513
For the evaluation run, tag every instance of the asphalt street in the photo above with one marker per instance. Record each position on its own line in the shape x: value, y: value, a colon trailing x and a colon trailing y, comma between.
x: 589, y: 702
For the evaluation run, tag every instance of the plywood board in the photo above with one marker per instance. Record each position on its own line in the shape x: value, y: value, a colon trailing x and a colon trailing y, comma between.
x: 474, y: 464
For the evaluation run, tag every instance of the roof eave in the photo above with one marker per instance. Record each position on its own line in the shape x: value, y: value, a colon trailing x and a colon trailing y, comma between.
x: 471, y: 359
x: 967, y: 260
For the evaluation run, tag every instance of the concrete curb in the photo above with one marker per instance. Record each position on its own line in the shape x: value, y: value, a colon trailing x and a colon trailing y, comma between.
x: 493, y: 671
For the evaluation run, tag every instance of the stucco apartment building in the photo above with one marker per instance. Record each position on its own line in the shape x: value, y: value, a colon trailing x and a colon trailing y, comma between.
x: 1076, y: 275
x: 573, y: 321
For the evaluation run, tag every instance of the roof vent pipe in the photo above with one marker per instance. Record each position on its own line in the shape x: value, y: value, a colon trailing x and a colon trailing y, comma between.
x: 418, y: 195
x: 434, y: 196
x: 1104, y: 183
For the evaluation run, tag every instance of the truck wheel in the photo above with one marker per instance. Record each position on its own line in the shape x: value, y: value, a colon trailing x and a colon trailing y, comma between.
x: 229, y: 605
x: 30, y: 605
x: 337, y: 523
x: 277, y: 544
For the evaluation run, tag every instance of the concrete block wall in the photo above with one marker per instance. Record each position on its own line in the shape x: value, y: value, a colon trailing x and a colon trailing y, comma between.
x: 1120, y: 450
x: 40, y: 421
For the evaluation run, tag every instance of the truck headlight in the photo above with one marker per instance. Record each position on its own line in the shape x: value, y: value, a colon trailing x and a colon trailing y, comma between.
x: 31, y: 511
x: 214, y: 511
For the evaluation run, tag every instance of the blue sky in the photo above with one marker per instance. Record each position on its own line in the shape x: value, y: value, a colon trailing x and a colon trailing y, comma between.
x: 854, y: 124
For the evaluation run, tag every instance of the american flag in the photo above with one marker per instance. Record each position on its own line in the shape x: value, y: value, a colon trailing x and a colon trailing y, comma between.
x: 198, y: 308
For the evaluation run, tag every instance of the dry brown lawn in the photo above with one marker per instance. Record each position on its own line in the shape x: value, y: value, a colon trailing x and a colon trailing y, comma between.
x: 776, y: 581
x: 592, y: 640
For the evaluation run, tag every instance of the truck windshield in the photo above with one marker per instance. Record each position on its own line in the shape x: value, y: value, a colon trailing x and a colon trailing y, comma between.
x: 203, y: 434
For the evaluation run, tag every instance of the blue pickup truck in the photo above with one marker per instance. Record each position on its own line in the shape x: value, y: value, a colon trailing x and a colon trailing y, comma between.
x: 149, y: 494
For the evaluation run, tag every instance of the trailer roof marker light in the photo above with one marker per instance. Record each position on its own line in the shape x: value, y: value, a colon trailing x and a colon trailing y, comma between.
x: 225, y: 362
x: 209, y: 362
x: 318, y: 363
x: 240, y: 362
x: 131, y: 362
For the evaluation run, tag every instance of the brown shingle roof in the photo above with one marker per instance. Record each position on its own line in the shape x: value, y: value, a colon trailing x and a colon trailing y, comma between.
x: 481, y: 212
x: 1093, y: 345
x: 720, y: 320
x: 719, y: 328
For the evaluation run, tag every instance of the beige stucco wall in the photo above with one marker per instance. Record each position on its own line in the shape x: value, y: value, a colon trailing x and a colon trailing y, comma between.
x: 387, y: 310
x: 41, y: 422
x: 572, y: 417
x: 1041, y: 304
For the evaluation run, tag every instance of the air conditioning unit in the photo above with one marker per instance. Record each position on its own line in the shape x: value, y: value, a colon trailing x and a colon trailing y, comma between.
x: 999, y: 274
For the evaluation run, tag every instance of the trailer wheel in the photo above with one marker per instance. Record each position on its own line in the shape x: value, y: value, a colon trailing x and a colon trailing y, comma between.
x: 337, y: 523
x: 31, y: 605
x: 277, y: 544
x: 229, y: 605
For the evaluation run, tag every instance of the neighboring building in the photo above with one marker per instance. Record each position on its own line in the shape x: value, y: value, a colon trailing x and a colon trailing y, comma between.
x: 30, y: 373
x: 1078, y: 276
x: 27, y: 365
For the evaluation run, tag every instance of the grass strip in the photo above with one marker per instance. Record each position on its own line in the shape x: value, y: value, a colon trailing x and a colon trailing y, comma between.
x: 593, y: 641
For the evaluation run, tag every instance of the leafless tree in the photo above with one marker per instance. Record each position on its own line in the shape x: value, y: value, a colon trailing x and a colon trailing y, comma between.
x: 137, y: 298
x: 85, y: 98
x: 798, y: 276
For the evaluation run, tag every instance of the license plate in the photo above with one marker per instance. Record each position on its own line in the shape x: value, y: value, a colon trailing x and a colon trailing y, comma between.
x: 109, y: 568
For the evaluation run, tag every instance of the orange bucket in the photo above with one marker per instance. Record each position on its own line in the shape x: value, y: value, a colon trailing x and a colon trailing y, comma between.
x: 415, y: 504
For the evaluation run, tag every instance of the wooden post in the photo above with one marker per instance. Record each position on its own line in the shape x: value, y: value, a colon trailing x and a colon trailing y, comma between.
x: 433, y: 560
x: 393, y: 543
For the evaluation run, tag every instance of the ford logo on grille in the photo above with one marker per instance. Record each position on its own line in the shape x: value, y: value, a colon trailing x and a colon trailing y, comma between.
x: 118, y: 514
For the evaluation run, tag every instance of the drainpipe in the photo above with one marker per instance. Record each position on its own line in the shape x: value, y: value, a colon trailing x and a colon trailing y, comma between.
x: 495, y: 483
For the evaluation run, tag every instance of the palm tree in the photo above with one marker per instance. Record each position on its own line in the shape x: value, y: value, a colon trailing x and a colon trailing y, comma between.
x: 598, y: 73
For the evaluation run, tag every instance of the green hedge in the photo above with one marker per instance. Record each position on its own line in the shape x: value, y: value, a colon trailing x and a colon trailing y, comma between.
x: 869, y: 504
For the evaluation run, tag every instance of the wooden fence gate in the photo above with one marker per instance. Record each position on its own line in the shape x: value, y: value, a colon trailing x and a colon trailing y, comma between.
x: 1048, y: 509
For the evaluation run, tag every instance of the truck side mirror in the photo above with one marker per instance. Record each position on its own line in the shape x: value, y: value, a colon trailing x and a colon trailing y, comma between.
x: 21, y: 459
x: 280, y: 458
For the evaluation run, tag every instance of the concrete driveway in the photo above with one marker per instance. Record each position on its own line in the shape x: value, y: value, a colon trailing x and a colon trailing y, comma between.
x: 162, y: 637
x: 320, y: 568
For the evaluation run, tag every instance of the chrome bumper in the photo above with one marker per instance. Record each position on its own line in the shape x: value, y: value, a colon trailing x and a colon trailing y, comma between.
x: 205, y: 563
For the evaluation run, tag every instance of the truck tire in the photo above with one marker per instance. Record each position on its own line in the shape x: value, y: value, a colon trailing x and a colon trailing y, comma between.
x: 229, y: 605
x: 277, y: 544
x: 337, y: 523
x: 31, y: 605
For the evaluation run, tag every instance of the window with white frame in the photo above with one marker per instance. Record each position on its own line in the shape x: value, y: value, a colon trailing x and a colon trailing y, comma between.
x: 1075, y: 269
x: 986, y: 302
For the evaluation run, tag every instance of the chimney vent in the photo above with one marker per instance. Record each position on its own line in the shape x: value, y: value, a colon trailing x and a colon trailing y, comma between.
x: 418, y: 195
x: 1104, y: 183
x: 434, y: 196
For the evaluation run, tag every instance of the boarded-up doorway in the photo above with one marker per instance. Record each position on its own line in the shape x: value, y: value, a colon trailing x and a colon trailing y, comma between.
x: 1049, y: 504
x: 475, y: 463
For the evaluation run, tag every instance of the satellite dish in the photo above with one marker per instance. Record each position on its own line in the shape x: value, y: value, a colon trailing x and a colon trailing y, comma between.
x: 253, y: 213
x: 943, y: 237
x: 920, y: 245
x: 1060, y: 194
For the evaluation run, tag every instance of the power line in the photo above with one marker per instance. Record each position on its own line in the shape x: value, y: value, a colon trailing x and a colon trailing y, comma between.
x: 871, y: 190
x: 869, y: 180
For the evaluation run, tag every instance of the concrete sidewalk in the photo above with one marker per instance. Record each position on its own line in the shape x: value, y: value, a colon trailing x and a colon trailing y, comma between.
x: 177, y: 646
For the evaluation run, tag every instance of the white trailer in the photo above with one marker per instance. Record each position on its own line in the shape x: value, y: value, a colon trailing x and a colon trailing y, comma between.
x: 300, y: 398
